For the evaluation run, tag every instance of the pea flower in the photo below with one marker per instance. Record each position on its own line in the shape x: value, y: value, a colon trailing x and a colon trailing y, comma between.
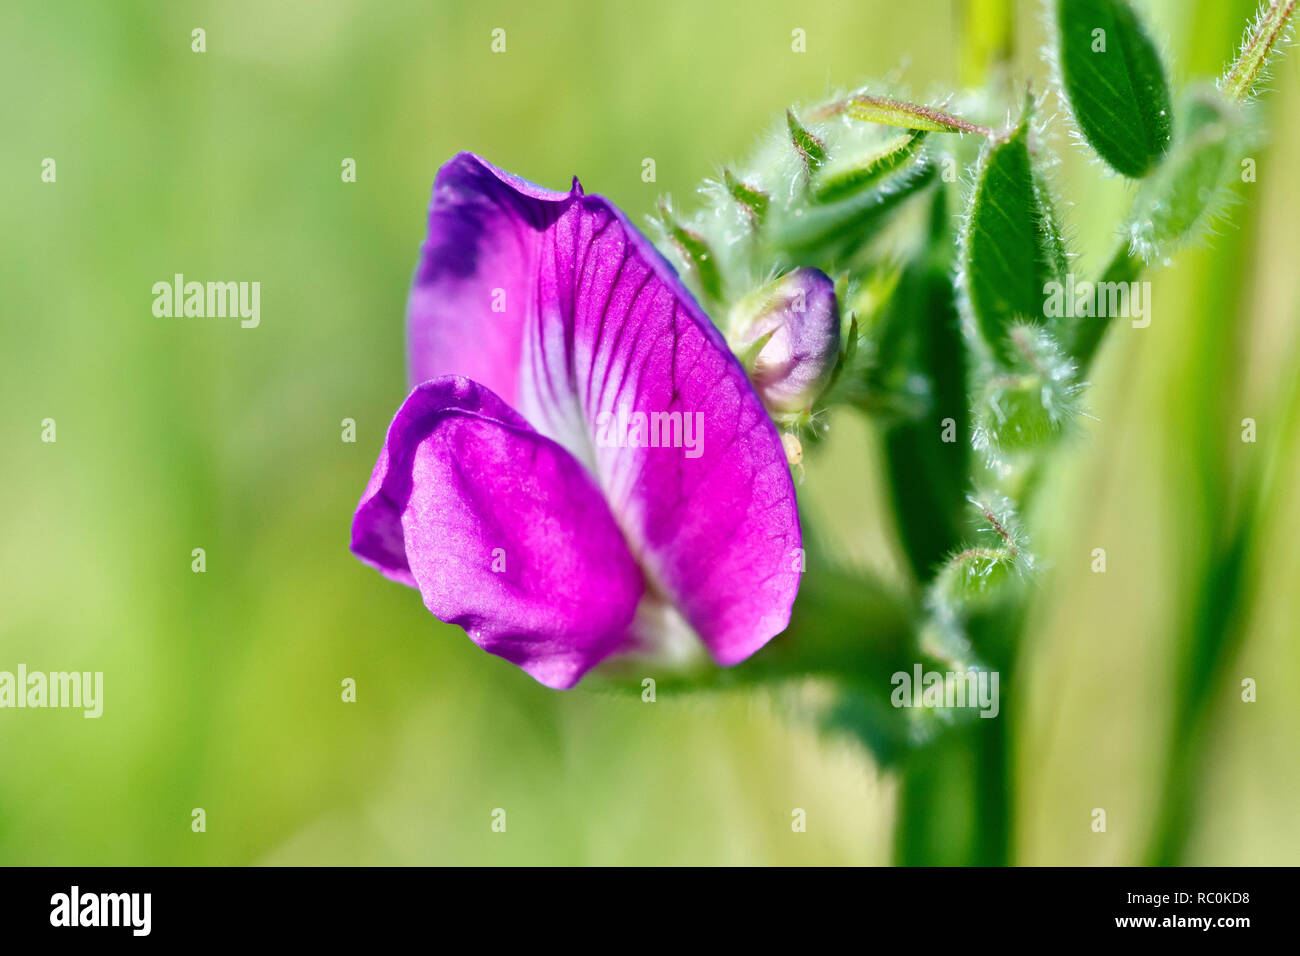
x: 582, y: 461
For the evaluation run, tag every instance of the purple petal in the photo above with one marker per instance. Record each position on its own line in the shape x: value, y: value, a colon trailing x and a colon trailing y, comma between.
x: 478, y: 274
x: 597, y: 325
x: 502, y: 530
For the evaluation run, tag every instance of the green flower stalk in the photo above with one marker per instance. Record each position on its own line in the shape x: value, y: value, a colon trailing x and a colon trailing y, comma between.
x: 937, y: 228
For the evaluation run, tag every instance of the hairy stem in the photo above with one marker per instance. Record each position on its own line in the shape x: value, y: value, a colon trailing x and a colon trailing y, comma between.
x: 891, y: 112
x: 1261, y: 40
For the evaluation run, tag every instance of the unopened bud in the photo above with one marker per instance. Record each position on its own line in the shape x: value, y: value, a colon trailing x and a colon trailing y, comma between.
x: 787, y: 335
x: 1034, y: 402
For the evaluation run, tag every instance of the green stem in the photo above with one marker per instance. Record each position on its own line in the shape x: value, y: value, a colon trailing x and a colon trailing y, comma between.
x: 1088, y: 333
x: 1261, y: 40
x: 957, y: 798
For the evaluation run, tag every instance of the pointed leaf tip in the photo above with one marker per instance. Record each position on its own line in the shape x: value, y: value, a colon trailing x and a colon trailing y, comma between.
x: 695, y: 250
x: 752, y: 199
x: 812, y: 149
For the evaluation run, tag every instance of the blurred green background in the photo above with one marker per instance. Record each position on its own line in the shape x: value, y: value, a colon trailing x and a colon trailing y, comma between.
x: 222, y: 689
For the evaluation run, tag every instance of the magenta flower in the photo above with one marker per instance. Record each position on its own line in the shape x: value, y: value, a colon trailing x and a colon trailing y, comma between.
x: 582, y: 461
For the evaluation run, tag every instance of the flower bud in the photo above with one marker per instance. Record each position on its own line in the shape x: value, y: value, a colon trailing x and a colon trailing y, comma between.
x: 787, y: 335
x: 1032, y: 403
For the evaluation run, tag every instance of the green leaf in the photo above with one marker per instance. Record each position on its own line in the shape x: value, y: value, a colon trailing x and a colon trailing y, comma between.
x: 752, y: 199
x: 695, y: 251
x: 826, y: 233
x: 1012, y: 247
x: 1115, y: 83
x: 1194, y: 184
x: 890, y: 112
x: 812, y: 149
x: 846, y: 177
